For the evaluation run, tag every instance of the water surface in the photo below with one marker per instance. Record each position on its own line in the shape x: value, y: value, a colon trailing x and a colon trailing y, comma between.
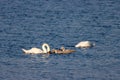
x: 30, y: 23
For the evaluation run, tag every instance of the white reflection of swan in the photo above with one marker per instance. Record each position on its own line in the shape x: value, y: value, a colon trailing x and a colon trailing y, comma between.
x: 84, y: 44
x: 45, y: 49
x: 44, y: 58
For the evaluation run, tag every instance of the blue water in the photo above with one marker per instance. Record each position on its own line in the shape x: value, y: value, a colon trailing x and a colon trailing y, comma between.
x: 30, y: 23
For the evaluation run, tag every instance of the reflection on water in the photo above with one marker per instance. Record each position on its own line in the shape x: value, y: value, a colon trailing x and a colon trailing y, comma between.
x: 39, y: 58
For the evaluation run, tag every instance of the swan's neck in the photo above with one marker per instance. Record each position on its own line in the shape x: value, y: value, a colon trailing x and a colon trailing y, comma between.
x: 45, y: 48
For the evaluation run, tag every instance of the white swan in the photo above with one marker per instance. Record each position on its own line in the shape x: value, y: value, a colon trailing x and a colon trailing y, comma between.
x: 45, y: 49
x: 84, y: 44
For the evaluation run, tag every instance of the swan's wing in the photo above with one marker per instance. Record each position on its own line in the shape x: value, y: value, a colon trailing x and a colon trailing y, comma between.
x: 32, y: 51
x: 84, y: 44
x: 36, y: 50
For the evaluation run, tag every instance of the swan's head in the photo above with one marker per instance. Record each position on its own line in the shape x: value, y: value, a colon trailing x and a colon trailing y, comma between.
x: 62, y: 48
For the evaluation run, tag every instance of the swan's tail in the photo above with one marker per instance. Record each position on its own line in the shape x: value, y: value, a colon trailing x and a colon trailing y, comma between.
x: 77, y: 45
x: 25, y: 51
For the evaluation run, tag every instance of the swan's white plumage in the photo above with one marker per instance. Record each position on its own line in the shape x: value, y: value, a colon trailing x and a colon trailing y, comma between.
x: 84, y: 44
x: 33, y: 50
x: 45, y: 49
